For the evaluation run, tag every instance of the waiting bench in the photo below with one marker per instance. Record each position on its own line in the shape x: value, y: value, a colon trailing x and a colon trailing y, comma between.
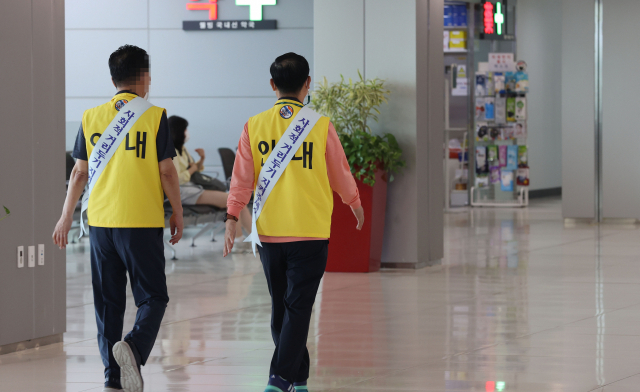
x: 209, y: 218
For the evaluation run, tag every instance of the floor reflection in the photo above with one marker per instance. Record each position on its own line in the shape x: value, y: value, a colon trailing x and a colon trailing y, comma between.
x: 495, y: 320
x: 511, y: 309
x: 600, y: 315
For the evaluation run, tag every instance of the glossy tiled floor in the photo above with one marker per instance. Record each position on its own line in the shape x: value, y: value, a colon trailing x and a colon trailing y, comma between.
x: 522, y: 303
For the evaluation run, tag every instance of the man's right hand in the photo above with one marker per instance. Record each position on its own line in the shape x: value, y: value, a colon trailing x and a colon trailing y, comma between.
x: 61, y: 232
x: 176, y: 222
x: 77, y: 182
x: 359, y: 213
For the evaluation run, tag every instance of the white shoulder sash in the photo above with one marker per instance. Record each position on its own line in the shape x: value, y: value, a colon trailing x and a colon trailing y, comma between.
x: 107, y: 145
x: 277, y: 162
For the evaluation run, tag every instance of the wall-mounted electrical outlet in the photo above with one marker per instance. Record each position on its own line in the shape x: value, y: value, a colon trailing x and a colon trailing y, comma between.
x: 21, y: 257
x: 40, y: 254
x: 32, y: 256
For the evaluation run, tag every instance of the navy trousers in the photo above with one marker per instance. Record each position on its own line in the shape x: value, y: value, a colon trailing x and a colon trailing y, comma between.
x: 293, y: 271
x: 114, y: 253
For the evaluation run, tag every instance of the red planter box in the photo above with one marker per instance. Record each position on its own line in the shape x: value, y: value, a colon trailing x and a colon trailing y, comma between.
x: 351, y: 250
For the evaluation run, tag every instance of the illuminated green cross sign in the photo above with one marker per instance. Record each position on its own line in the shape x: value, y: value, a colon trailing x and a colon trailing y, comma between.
x: 255, y: 7
x: 499, y: 17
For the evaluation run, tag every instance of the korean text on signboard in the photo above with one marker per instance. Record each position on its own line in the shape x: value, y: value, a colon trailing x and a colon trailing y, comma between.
x: 229, y: 25
x: 255, y: 22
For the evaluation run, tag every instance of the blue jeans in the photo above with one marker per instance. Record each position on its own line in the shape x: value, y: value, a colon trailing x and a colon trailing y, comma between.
x: 140, y: 252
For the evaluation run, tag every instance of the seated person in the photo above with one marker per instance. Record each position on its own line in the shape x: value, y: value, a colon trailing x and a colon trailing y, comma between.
x: 190, y: 193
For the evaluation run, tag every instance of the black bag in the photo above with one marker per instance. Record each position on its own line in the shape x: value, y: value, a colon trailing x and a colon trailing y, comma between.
x: 208, y: 183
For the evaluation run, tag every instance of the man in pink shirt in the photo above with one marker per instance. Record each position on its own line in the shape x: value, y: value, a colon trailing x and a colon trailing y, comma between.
x: 295, y: 221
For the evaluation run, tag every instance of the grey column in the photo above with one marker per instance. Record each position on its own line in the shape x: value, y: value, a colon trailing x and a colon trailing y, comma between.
x: 620, y: 133
x: 578, y: 103
x: 430, y: 128
x: 401, y: 42
x: 32, y: 162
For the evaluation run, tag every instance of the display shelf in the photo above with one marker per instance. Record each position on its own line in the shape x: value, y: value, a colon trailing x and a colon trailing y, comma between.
x: 456, y: 171
x: 492, y: 195
x: 460, y: 163
x: 504, y: 180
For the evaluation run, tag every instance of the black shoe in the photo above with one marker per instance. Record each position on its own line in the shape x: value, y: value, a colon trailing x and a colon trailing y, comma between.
x: 129, y: 361
x: 111, y: 384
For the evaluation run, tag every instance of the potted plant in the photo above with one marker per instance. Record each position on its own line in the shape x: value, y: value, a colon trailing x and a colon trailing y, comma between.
x: 373, y: 160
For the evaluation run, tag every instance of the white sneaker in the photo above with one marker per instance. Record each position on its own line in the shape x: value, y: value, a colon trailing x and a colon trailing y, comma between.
x: 130, y: 377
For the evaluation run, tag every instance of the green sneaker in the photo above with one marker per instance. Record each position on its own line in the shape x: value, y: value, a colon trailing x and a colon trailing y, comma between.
x: 278, y: 384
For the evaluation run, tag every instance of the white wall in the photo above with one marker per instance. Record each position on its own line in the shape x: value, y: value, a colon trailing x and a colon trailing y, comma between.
x: 214, y: 79
x: 339, y: 38
x: 556, y: 39
x: 539, y: 32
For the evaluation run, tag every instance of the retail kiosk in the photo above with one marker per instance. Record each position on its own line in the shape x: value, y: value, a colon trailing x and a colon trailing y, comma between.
x: 486, y: 154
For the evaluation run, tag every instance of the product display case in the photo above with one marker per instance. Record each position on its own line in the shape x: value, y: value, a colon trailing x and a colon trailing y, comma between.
x: 501, y: 164
x: 458, y: 60
x: 479, y: 49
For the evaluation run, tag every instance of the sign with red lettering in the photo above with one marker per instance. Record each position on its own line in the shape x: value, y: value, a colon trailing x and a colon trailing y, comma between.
x: 501, y: 62
x: 211, y: 6
x: 255, y: 21
x: 494, y: 20
x: 488, y: 17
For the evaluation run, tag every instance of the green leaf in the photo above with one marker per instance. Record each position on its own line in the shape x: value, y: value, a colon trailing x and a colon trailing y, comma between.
x: 352, y: 107
x: 6, y: 210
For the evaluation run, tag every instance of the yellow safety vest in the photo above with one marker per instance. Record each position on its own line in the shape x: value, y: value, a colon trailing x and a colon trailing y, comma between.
x: 129, y: 192
x: 301, y: 203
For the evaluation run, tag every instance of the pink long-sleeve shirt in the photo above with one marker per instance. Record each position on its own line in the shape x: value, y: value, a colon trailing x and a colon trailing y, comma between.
x: 242, y: 180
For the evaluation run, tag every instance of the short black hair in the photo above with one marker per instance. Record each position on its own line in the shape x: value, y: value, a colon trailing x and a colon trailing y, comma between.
x: 177, y: 126
x: 127, y: 63
x: 289, y: 72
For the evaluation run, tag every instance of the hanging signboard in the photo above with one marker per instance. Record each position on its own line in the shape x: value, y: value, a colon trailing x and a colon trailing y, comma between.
x: 255, y: 21
x: 494, y: 15
x: 230, y: 25
x: 501, y: 62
